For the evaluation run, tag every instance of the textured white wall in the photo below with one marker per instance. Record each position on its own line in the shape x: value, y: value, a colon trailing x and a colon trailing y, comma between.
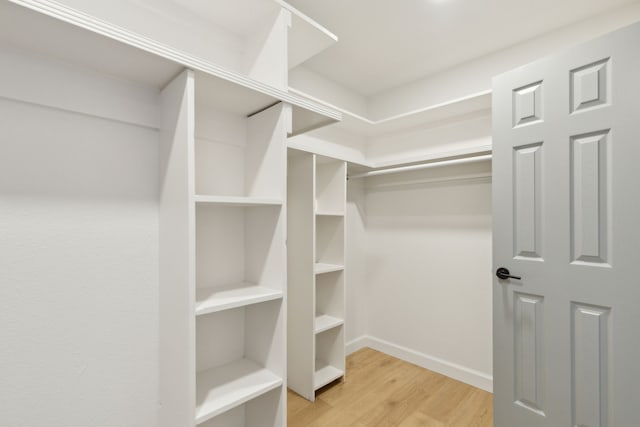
x: 78, y: 267
x: 355, y: 255
x: 428, y: 269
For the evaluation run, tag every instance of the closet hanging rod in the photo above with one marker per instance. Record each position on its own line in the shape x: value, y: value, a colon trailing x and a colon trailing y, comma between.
x: 422, y: 166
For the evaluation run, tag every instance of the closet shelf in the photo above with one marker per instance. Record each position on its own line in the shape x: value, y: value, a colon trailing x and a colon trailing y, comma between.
x: 236, y: 201
x: 211, y: 300
x: 325, y: 374
x: 320, y: 268
x: 78, y: 38
x: 322, y: 212
x: 307, y: 38
x: 231, y: 385
x: 325, y: 322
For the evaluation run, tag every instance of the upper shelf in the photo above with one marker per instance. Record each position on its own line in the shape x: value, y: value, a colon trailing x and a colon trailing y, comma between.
x: 53, y: 30
x: 431, y: 114
x: 307, y: 38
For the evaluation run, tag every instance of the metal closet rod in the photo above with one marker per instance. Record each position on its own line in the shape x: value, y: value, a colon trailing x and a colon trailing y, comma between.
x: 422, y: 166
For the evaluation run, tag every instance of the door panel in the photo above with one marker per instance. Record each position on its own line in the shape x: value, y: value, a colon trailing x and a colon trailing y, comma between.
x: 566, y: 194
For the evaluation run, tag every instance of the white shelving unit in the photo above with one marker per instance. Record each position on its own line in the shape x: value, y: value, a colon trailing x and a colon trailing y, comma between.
x: 316, y: 202
x: 216, y: 202
x: 240, y: 261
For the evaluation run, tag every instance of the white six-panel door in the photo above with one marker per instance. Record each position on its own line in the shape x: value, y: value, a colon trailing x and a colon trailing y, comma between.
x: 566, y: 189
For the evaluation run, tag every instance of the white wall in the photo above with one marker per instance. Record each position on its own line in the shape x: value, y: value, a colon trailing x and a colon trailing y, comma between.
x: 318, y: 86
x: 79, y: 256
x: 428, y: 270
x: 356, y: 307
x: 435, y: 139
x: 475, y: 76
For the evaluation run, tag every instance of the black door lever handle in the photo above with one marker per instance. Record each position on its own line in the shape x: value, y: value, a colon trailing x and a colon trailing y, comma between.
x: 504, y: 273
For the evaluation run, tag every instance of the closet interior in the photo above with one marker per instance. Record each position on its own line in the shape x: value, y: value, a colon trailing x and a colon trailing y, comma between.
x: 195, y: 221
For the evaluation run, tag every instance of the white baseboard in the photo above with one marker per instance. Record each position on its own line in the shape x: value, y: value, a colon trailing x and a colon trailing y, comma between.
x: 461, y: 373
x: 357, y: 344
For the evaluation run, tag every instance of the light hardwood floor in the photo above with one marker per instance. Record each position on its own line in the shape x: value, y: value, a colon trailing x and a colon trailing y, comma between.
x: 381, y: 390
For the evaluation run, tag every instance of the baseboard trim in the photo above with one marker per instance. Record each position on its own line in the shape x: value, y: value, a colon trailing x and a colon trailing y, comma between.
x: 458, y: 372
x: 357, y: 344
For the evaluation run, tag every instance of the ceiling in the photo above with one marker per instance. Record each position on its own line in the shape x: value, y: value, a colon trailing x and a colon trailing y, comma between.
x: 386, y: 43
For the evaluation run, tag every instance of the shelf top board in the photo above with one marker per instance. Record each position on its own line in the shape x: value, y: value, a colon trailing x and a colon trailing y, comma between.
x: 226, y: 387
x: 325, y: 322
x: 320, y: 268
x: 325, y: 374
x: 236, y: 201
x: 320, y: 212
x: 212, y: 300
x: 56, y: 31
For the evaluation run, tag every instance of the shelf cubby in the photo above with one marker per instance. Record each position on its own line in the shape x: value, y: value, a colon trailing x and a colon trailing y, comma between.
x: 239, y: 159
x: 238, y: 357
x: 330, y: 359
x: 260, y: 411
x: 239, y: 256
x: 330, y: 240
x: 330, y: 185
x: 329, y: 300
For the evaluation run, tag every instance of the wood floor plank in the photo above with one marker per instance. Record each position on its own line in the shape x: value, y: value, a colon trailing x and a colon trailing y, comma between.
x: 418, y: 419
x: 380, y: 390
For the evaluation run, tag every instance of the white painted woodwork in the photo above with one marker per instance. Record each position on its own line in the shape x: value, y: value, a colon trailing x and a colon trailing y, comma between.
x: 300, y: 273
x: 315, y: 253
x: 442, y: 131
x: 590, y: 201
x: 332, y: 142
x: 252, y: 335
x: 99, y: 133
x: 330, y: 240
x: 527, y: 192
x: 236, y: 201
x: 307, y: 37
x: 565, y: 214
x: 240, y: 259
x: 177, y: 267
x: 80, y: 38
x: 321, y: 268
x: 210, y: 300
x: 231, y: 385
x: 325, y: 374
x: 325, y: 322
x: 330, y: 357
x: 246, y: 36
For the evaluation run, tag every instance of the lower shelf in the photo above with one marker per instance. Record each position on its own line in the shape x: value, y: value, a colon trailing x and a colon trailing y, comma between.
x: 325, y: 374
x: 320, y: 268
x: 211, y: 300
x: 231, y: 385
x: 325, y: 322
